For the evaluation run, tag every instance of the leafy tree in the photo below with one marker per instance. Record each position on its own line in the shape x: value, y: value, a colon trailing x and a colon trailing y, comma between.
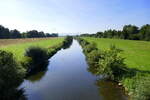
x: 41, y: 34
x: 129, y: 31
x: 54, y: 35
x: 99, y: 34
x: 4, y: 32
x: 145, y: 32
x: 15, y: 34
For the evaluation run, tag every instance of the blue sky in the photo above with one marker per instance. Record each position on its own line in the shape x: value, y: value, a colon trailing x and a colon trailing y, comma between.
x: 73, y: 16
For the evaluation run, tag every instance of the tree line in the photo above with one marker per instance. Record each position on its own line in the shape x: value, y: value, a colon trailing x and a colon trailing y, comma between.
x: 130, y: 32
x: 5, y: 33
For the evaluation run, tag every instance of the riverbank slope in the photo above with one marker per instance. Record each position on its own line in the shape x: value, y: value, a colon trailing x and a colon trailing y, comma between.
x: 136, y: 53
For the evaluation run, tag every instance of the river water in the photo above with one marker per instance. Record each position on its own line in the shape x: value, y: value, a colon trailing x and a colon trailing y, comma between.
x: 67, y: 78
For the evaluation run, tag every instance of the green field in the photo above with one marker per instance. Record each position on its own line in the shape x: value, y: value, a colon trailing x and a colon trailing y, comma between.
x: 18, y: 49
x: 137, y: 53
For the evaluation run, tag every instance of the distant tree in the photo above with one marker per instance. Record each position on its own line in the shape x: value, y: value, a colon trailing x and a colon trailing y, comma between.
x: 24, y: 35
x: 15, y: 33
x: 32, y: 34
x: 129, y: 31
x: 110, y: 33
x: 4, y: 32
x: 145, y: 32
x: 42, y: 34
x: 85, y: 34
x: 48, y: 35
x: 99, y: 34
x: 117, y: 34
x: 54, y: 34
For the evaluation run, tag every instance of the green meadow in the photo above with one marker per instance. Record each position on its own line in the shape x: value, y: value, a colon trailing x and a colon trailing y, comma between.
x: 136, y: 53
x: 18, y: 49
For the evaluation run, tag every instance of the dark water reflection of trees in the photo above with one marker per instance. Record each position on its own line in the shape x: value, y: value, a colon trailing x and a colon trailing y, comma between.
x: 36, y: 77
x: 108, y: 89
x: 13, y: 94
x: 19, y: 93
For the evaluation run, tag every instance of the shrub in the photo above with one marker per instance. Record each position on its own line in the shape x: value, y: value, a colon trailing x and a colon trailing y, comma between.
x: 93, y: 58
x: 67, y: 42
x: 89, y: 47
x: 39, y: 59
x: 26, y: 62
x: 11, y: 73
x: 106, y: 62
x: 111, y: 63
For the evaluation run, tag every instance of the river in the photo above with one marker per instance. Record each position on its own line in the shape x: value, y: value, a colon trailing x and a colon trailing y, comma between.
x: 67, y: 78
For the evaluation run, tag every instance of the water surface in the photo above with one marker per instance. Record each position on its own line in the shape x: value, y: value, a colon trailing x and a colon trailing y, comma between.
x: 67, y: 78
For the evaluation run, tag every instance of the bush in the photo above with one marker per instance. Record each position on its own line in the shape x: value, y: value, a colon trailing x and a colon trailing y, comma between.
x: 93, y: 59
x: 106, y: 62
x: 112, y: 64
x: 67, y: 42
x: 11, y: 73
x: 38, y: 59
x: 89, y: 47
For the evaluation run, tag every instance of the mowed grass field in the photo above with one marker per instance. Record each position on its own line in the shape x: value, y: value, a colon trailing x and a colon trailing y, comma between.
x: 136, y: 53
x: 18, y: 46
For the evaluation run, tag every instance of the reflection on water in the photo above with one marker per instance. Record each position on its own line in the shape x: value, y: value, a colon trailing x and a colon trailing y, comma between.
x: 110, y: 90
x: 67, y: 78
x: 36, y: 77
x: 13, y: 94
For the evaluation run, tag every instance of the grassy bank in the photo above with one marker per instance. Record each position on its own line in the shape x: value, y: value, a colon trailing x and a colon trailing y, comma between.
x: 134, y: 76
x: 136, y: 53
x: 18, y: 60
x: 18, y: 47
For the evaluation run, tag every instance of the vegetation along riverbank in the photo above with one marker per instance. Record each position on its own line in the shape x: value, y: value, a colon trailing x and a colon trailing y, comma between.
x: 17, y: 61
x: 123, y: 61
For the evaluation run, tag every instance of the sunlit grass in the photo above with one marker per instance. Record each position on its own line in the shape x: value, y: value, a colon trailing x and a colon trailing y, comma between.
x: 18, y: 49
x: 137, y: 53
